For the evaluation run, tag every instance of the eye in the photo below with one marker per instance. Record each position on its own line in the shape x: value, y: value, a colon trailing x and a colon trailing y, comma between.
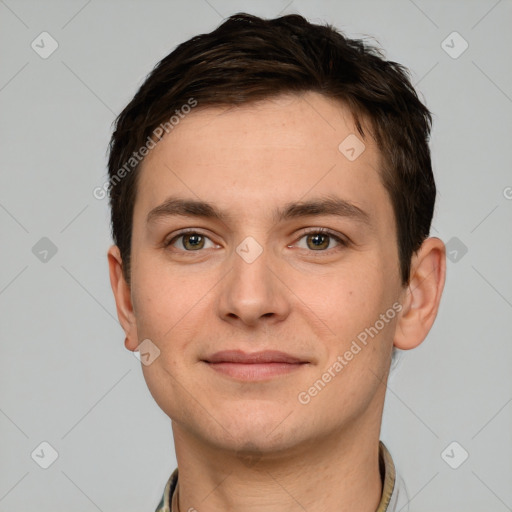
x: 190, y: 241
x: 320, y: 240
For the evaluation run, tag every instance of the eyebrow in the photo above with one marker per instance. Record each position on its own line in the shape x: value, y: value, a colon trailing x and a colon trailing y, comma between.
x: 329, y: 205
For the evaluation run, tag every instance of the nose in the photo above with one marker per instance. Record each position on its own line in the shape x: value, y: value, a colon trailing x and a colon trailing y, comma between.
x: 252, y: 292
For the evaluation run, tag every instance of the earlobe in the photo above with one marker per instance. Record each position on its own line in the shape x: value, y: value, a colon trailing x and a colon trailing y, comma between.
x: 122, y: 296
x: 422, y: 297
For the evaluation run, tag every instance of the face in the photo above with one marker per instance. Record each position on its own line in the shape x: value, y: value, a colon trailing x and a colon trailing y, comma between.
x: 290, y: 246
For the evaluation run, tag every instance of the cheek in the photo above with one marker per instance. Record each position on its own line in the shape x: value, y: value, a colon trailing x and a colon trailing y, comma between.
x: 345, y: 297
x: 171, y: 305
x: 349, y: 302
x: 158, y: 303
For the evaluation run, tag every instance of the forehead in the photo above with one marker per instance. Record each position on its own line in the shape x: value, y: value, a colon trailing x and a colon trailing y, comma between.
x: 272, y: 151
x: 285, y: 122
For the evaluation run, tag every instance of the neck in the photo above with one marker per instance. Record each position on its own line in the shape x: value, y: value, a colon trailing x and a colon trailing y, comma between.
x: 337, y: 473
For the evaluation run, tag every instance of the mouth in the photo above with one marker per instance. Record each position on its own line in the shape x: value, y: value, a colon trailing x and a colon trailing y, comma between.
x: 254, y: 366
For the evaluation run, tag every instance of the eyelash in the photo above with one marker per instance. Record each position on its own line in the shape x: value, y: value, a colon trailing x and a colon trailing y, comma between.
x: 323, y: 231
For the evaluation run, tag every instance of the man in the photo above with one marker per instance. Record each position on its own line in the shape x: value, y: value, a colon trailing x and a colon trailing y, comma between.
x: 272, y: 193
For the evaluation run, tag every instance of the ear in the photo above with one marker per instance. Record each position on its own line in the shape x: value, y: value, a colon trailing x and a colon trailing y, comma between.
x: 422, y: 296
x: 122, y: 295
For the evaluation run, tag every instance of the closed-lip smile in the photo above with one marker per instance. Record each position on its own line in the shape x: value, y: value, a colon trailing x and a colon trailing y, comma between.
x: 265, y: 356
x: 254, y: 366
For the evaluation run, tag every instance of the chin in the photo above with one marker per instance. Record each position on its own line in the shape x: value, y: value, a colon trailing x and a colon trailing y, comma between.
x: 268, y: 430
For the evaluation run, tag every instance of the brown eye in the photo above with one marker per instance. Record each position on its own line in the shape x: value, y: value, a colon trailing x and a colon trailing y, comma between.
x: 321, y: 240
x: 193, y: 242
x: 190, y: 242
x: 318, y: 241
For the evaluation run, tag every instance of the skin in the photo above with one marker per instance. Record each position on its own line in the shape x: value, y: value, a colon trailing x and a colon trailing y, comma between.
x: 248, y: 161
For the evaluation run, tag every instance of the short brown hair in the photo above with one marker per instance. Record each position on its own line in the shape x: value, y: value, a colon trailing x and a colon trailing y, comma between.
x: 248, y: 58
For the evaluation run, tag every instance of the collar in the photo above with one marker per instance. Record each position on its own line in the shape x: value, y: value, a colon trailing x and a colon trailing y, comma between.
x: 388, y: 502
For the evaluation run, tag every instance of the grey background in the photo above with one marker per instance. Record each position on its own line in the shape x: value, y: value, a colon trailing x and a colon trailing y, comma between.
x: 65, y: 376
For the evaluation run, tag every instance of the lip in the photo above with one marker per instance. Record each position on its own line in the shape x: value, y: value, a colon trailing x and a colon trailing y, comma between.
x: 265, y: 356
x: 254, y: 366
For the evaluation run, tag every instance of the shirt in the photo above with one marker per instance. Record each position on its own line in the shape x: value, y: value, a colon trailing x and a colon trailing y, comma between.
x: 394, y: 496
